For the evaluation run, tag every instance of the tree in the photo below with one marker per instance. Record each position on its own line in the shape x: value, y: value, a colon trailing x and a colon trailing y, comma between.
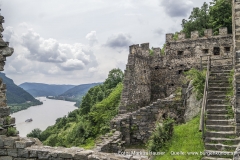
x: 114, y: 77
x: 220, y: 15
x: 216, y: 15
x: 86, y: 104
x: 36, y: 133
x: 198, y: 20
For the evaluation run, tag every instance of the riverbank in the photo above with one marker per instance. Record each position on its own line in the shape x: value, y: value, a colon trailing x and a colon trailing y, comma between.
x: 43, y: 115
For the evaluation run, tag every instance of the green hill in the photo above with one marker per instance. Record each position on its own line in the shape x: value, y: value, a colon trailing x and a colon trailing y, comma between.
x: 42, y: 90
x: 76, y: 93
x: 82, y: 126
x: 17, y: 98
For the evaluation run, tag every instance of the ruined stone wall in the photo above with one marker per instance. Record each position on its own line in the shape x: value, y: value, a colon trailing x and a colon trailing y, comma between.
x: 182, y: 55
x: 152, y: 76
x: 5, y: 120
x: 16, y: 148
x: 236, y: 55
x: 136, y: 79
x: 136, y: 127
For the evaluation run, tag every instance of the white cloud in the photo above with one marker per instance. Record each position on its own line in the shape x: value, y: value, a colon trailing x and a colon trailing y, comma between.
x: 177, y: 8
x: 92, y: 37
x: 119, y: 41
x: 73, y: 64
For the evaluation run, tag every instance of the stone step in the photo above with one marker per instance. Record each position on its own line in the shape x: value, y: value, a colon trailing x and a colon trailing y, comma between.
x: 220, y: 84
x: 216, y: 95
x: 219, y: 74
x: 219, y: 88
x: 220, y: 134
x: 221, y: 71
x: 220, y: 147
x: 214, y: 158
x: 217, y: 111
x: 216, y: 101
x: 218, y: 78
x: 221, y: 67
x: 220, y: 128
x: 218, y: 122
x: 216, y: 106
x: 215, y: 80
x: 226, y: 141
x: 217, y: 116
x: 220, y: 154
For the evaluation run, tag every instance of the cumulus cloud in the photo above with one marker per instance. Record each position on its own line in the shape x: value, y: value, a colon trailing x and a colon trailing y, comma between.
x: 73, y: 64
x: 47, y: 56
x: 119, y: 41
x: 92, y: 38
x: 176, y: 8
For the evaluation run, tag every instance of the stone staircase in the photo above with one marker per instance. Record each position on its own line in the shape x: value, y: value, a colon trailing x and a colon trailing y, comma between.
x: 220, y: 138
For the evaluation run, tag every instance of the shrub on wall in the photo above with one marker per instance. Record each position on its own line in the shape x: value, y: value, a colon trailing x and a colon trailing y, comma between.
x: 161, y: 135
x: 198, y: 78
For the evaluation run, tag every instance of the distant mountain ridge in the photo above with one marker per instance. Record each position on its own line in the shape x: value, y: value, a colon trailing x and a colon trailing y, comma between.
x: 76, y: 93
x: 42, y: 89
x: 16, y: 96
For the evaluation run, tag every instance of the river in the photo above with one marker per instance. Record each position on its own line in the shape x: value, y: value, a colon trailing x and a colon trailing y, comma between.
x: 43, y: 115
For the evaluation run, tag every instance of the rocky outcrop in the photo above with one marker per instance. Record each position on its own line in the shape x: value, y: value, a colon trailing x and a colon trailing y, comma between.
x: 193, y: 105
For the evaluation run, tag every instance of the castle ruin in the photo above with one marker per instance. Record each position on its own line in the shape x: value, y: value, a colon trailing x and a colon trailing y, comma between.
x: 149, y: 79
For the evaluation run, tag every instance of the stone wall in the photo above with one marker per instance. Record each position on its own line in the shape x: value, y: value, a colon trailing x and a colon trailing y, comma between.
x: 15, y: 148
x: 5, y: 120
x: 236, y: 55
x: 149, y: 77
x: 136, y: 127
x: 136, y: 79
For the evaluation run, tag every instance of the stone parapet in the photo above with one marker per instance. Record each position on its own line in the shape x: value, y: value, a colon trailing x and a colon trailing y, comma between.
x: 16, y: 148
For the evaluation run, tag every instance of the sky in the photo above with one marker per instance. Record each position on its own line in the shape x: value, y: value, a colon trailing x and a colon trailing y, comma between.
x: 80, y: 41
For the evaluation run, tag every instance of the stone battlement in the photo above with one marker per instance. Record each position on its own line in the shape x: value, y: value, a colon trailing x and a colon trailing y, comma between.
x: 208, y: 33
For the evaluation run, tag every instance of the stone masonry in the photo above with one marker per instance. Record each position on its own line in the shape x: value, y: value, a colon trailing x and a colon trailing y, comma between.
x: 149, y: 77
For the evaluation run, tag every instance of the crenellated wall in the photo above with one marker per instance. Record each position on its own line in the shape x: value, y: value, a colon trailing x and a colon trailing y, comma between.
x: 149, y: 75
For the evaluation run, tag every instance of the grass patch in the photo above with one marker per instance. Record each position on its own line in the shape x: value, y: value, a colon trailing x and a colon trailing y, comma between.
x: 230, y: 114
x: 90, y: 143
x: 186, y: 138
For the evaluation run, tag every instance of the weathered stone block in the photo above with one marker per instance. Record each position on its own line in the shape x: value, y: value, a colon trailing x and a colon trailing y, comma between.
x: 23, y: 144
x: 83, y: 155
x: 4, y: 111
x: 3, y: 152
x: 33, y: 153
x: 169, y: 37
x: 223, y: 31
x: 6, y: 158
x: 181, y: 36
x: 43, y: 154
x: 2, y: 138
x: 12, y: 152
x: 9, y: 142
x: 208, y: 33
x: 65, y: 155
x: 194, y: 35
x: 1, y: 121
x: 23, y: 153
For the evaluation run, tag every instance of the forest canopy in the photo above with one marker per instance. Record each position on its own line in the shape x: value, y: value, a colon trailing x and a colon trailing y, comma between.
x: 214, y: 16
